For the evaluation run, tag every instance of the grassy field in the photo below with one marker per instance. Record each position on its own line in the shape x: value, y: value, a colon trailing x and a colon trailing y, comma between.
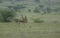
x: 30, y: 30
x: 48, y: 29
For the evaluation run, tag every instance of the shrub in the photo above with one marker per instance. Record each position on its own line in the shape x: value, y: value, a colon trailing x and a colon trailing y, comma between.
x: 41, y: 6
x: 55, y: 21
x: 6, y: 15
x: 38, y: 20
x: 36, y: 10
x: 29, y: 10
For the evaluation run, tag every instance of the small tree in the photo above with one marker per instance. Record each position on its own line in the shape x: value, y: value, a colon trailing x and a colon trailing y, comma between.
x: 6, y: 15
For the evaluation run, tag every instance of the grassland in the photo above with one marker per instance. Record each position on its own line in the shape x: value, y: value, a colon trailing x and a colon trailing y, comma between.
x: 48, y: 29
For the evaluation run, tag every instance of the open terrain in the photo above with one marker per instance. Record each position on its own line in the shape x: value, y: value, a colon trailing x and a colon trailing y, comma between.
x: 49, y: 29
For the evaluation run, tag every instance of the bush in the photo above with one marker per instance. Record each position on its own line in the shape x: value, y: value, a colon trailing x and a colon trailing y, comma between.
x: 38, y: 21
x: 41, y: 6
x: 29, y: 10
x: 6, y: 15
x: 55, y: 21
x: 36, y: 10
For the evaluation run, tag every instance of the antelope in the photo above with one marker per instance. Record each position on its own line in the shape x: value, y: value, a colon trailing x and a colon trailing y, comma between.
x: 22, y: 20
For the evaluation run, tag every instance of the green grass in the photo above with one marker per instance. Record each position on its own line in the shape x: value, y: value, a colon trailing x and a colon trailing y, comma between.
x: 49, y: 29
x: 30, y: 30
